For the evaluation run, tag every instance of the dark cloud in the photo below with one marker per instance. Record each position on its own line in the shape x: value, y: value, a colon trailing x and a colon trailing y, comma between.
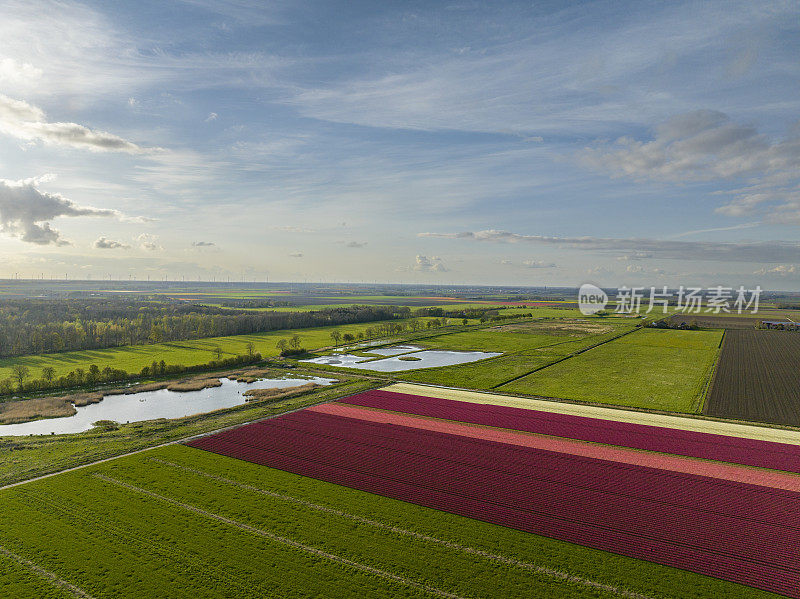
x: 764, y: 252
x: 203, y: 244
x: 25, y: 212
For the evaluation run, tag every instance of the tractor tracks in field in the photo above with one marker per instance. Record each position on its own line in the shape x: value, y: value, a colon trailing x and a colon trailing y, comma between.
x: 283, y: 540
x: 505, y: 560
x: 46, y: 574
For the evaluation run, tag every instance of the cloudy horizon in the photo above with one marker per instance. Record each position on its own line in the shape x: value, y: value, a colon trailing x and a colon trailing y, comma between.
x: 620, y: 143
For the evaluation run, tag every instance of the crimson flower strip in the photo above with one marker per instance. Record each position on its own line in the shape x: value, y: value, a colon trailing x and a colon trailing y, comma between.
x: 731, y: 530
x: 751, y: 452
x: 722, y: 470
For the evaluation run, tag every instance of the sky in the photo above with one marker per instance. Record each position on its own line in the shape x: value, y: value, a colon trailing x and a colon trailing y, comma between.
x: 548, y: 143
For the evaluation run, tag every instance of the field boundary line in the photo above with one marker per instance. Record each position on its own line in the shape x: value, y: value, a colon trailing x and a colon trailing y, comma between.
x: 567, y: 357
x: 284, y: 540
x: 53, y: 578
x: 712, y: 376
x: 509, y: 561
x: 176, y: 441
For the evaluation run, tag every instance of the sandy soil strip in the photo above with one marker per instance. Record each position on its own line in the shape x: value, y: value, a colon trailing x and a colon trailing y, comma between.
x: 63, y: 584
x: 508, y: 561
x: 763, y: 433
x: 268, y: 535
x: 625, y: 455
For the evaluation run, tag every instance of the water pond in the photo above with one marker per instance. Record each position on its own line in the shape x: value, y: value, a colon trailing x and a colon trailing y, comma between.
x: 150, y: 405
x: 427, y: 359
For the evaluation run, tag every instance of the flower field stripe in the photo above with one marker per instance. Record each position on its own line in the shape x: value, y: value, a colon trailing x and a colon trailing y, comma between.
x: 751, y: 452
x: 501, y: 559
x: 497, y: 459
x: 624, y: 455
x: 291, y: 543
x: 55, y: 580
x: 744, y: 533
x: 703, y: 425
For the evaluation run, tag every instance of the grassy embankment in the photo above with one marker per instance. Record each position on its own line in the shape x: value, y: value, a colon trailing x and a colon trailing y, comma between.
x: 195, y: 524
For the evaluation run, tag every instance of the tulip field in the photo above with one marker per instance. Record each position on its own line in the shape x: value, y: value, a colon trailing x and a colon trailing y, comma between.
x: 411, y: 491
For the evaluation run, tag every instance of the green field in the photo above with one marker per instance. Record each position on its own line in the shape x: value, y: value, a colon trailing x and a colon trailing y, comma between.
x: 650, y: 368
x: 200, y: 351
x: 523, y: 353
x: 179, y: 522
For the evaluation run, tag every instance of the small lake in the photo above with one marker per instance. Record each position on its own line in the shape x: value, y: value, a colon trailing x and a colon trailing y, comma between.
x: 427, y: 359
x: 395, y: 350
x: 150, y: 405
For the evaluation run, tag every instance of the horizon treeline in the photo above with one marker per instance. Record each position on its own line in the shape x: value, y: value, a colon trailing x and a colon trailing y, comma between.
x: 47, y: 326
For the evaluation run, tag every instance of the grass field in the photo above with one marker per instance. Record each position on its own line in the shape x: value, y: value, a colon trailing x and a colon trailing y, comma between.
x: 200, y: 351
x: 650, y: 368
x: 524, y: 352
x: 179, y: 522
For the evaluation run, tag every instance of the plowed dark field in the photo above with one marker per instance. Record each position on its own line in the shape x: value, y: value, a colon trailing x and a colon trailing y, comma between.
x: 758, y: 377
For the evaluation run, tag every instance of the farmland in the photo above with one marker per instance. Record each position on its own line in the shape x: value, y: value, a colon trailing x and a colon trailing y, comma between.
x: 649, y: 368
x: 132, y: 358
x: 524, y: 351
x: 180, y: 522
x: 430, y: 453
x: 757, y: 378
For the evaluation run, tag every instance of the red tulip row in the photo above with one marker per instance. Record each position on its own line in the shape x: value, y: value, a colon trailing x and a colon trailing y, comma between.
x: 752, y: 452
x: 735, y: 531
x: 773, y: 479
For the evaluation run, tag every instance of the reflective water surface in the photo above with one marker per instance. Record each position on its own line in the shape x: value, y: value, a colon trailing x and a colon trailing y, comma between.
x: 153, y: 404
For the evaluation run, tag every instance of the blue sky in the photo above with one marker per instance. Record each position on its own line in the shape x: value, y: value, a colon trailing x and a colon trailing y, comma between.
x: 635, y: 143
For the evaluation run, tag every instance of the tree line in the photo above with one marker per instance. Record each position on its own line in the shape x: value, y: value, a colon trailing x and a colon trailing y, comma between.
x: 45, y: 326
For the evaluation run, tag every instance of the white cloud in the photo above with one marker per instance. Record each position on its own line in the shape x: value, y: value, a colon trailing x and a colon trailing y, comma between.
x: 355, y: 244
x: 425, y: 264
x: 103, y: 243
x: 769, y: 251
x: 25, y: 212
x: 781, y: 270
x: 212, y: 116
x: 537, y: 264
x: 203, y: 244
x: 706, y: 145
x: 148, y: 242
x: 18, y: 73
x: 296, y: 255
x: 25, y: 121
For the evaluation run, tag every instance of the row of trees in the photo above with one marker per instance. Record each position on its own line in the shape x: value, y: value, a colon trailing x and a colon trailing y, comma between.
x: 37, y: 327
